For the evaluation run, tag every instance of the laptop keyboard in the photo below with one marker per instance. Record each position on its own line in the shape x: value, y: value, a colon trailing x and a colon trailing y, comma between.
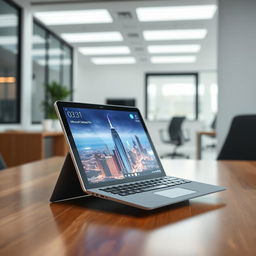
x: 144, y: 186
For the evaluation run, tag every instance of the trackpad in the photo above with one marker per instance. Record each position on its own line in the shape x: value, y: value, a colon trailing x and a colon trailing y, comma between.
x: 175, y: 192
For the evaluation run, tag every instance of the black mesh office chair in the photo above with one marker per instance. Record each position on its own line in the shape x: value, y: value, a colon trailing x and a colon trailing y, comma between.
x: 2, y: 163
x: 240, y: 143
x: 176, y: 137
x: 213, y: 127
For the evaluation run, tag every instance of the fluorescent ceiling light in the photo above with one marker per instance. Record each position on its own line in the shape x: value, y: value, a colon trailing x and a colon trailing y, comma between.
x: 173, y: 59
x: 38, y: 39
x: 186, y: 48
x: 74, y: 17
x: 165, y: 13
x: 105, y: 50
x: 179, y: 34
x: 8, y: 20
x: 12, y: 40
x: 93, y: 37
x: 8, y: 40
x: 113, y: 60
x: 54, y: 62
x: 51, y: 51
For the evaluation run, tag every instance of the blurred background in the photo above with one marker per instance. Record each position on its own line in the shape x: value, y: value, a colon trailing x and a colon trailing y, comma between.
x: 188, y: 65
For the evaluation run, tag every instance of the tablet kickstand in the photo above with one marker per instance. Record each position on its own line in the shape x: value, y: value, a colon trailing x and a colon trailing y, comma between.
x: 67, y: 186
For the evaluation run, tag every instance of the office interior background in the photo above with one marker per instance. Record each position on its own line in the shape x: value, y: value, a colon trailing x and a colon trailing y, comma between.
x: 197, y: 63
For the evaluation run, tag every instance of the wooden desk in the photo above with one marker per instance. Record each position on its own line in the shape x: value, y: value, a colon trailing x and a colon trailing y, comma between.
x: 218, y: 224
x: 199, y: 141
x: 20, y: 147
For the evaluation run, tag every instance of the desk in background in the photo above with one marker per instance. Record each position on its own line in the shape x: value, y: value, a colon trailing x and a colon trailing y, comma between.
x: 20, y: 147
x: 217, y: 224
x: 199, y: 141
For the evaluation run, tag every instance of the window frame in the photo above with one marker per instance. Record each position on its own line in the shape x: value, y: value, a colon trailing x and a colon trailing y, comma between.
x: 49, y: 33
x: 195, y: 74
x: 18, y: 61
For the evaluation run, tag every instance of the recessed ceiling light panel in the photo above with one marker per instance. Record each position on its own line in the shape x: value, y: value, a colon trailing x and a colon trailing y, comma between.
x: 178, y: 34
x: 167, y: 13
x: 8, y: 40
x: 105, y: 50
x: 92, y: 37
x: 74, y: 17
x: 8, y: 20
x: 186, y: 48
x: 173, y: 59
x: 54, y: 62
x: 51, y: 52
x: 113, y: 60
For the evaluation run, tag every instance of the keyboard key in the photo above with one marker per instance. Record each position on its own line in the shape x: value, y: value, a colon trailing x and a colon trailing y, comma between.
x: 144, y: 186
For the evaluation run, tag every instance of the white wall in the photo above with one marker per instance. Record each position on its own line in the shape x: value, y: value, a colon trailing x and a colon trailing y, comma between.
x: 96, y: 83
x: 236, y: 62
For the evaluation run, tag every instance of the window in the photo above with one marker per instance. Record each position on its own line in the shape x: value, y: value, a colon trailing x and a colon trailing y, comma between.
x: 67, y: 66
x: 52, y: 62
x: 39, y: 72
x: 169, y: 95
x: 10, y: 17
x: 208, y: 96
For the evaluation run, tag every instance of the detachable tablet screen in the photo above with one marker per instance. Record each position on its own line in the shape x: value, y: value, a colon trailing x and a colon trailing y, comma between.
x: 112, y: 145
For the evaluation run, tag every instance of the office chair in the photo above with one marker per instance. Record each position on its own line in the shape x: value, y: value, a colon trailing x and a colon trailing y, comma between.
x: 176, y: 137
x: 213, y: 127
x: 214, y: 123
x: 2, y: 163
x: 240, y: 143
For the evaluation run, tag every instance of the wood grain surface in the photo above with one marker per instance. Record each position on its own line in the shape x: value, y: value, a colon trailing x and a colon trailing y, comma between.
x: 219, y: 224
x: 20, y: 147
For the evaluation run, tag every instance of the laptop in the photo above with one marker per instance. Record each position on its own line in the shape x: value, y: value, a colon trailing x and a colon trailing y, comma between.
x: 115, y: 158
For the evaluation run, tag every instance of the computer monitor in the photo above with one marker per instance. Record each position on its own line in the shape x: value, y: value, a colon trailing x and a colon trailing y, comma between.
x: 121, y: 102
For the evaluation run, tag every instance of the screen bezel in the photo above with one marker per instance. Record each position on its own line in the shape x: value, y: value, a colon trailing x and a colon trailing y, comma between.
x: 61, y: 105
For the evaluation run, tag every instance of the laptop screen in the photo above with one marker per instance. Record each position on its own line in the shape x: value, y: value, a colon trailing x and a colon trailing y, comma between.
x: 112, y: 144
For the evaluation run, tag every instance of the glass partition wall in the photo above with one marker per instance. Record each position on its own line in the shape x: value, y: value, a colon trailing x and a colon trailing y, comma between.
x: 169, y: 95
x: 10, y: 17
x: 193, y: 95
x: 52, y: 62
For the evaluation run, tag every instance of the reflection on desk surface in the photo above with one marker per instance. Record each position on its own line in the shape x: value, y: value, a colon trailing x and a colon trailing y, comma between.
x: 217, y: 224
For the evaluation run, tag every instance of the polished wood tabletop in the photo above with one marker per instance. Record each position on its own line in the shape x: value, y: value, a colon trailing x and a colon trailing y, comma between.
x: 218, y: 224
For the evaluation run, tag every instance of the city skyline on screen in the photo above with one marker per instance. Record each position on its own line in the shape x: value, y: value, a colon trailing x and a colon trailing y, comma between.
x: 111, y: 144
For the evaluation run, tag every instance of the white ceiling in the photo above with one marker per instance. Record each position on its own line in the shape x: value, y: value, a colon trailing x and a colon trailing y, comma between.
x: 205, y: 58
